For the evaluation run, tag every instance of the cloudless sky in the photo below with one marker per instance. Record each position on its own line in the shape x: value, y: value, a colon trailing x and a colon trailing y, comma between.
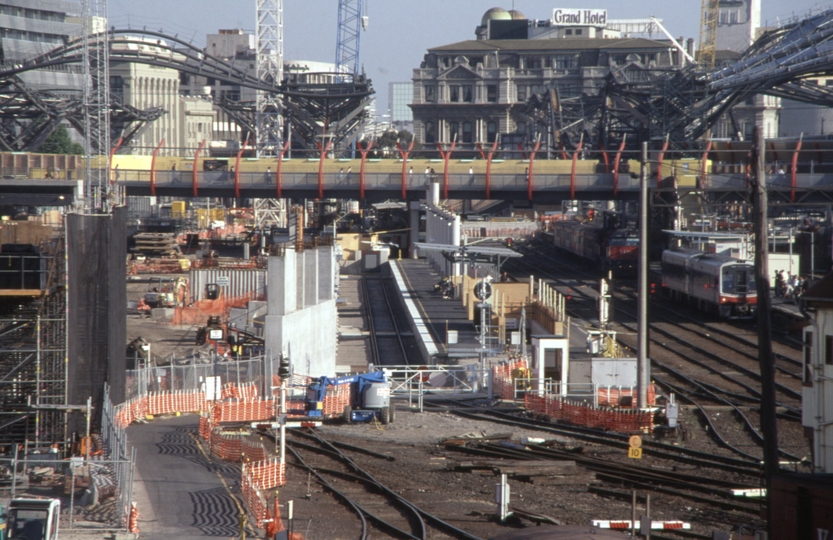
x: 400, y: 31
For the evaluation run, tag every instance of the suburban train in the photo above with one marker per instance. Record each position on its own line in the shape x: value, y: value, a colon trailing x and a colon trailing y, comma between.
x: 714, y: 283
x: 606, y: 240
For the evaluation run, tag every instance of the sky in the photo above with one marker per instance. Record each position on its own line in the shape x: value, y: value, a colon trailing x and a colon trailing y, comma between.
x: 400, y: 31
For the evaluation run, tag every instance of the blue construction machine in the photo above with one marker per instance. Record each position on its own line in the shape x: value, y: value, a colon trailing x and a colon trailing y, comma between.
x: 369, y: 397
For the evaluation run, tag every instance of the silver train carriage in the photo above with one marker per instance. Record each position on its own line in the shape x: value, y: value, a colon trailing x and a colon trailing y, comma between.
x: 714, y: 283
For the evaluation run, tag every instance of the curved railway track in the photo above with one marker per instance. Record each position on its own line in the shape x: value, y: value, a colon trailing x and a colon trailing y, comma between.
x: 720, y: 372
x: 378, y: 508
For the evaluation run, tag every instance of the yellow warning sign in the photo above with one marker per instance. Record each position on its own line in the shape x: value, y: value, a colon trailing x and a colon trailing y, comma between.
x: 635, y: 453
x: 635, y: 441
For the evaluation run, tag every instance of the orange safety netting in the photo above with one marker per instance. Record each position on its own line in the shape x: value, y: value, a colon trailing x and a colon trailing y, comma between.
x: 253, y: 499
x: 199, y: 311
x: 589, y: 416
x: 205, y: 426
x: 612, y: 395
x: 244, y: 391
x: 502, y: 381
x: 253, y: 450
x: 226, y: 446
x: 255, y: 477
x: 243, y: 410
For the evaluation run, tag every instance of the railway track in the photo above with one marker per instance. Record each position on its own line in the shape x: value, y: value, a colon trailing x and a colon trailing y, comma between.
x: 378, y: 509
x: 391, y: 342
x: 720, y: 372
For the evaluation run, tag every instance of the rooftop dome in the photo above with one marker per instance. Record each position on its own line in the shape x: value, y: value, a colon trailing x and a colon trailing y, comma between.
x: 495, y: 14
x: 516, y: 15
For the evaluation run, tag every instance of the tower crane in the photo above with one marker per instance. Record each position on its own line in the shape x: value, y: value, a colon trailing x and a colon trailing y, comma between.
x: 708, y: 32
x: 352, y: 19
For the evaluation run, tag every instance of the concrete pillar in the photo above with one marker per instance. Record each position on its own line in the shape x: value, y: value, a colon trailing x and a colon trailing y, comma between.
x: 310, y: 277
x: 282, y: 298
x: 300, y: 280
x: 434, y: 199
x: 326, y: 274
x: 455, y: 241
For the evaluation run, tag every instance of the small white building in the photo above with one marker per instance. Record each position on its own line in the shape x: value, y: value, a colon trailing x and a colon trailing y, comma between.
x: 817, y: 392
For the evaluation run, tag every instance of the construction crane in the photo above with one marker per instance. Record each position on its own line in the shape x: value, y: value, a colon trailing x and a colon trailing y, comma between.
x: 708, y: 33
x: 352, y: 20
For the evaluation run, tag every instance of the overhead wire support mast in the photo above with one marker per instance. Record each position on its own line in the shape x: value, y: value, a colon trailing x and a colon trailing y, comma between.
x: 96, y: 106
x: 268, y: 119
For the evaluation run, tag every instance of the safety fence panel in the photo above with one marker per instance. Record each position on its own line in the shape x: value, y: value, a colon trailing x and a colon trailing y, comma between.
x: 337, y: 398
x: 242, y: 391
x: 256, y: 477
x: 253, y: 450
x: 226, y: 446
x: 613, y: 396
x: 254, y: 499
x: 586, y: 415
x: 243, y: 410
x: 177, y: 401
x: 503, y: 376
x: 93, y: 493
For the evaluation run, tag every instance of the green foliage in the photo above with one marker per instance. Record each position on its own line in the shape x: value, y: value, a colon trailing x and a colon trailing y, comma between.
x: 59, y: 142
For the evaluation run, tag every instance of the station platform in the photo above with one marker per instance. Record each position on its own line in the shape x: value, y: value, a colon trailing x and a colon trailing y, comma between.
x: 431, y: 316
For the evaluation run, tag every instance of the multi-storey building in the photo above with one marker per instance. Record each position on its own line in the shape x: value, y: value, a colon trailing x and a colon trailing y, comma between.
x: 472, y: 90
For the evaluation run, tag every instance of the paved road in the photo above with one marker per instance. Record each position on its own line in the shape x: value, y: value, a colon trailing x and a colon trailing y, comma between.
x: 181, y: 492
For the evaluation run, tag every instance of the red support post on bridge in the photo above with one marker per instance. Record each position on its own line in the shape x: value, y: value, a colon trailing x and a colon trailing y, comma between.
x: 194, y: 168
x: 660, y: 159
x: 237, y: 169
x: 324, y: 151
x: 489, y: 158
x: 278, y: 177
x: 529, y: 174
x: 153, y: 168
x: 794, y: 166
x: 446, y: 157
x: 404, y: 155
x: 605, y: 157
x: 363, y: 151
x: 616, y: 161
x: 573, y: 169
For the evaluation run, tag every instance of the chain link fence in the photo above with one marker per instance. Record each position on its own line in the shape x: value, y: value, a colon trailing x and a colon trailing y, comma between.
x: 94, y: 493
x: 192, y: 376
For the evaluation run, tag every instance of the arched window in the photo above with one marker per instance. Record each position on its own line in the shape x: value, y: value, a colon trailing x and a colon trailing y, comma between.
x: 491, y: 131
x: 430, y: 137
x: 467, y: 135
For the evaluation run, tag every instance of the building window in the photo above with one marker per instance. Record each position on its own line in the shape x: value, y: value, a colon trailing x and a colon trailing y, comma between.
x: 468, y: 93
x: 430, y: 137
x: 565, y: 61
x: 733, y: 17
x: 808, y: 356
x: 568, y: 32
x: 467, y: 133
x: 724, y: 17
x: 521, y: 127
x: 491, y: 132
x: 430, y: 95
x: 455, y: 93
x: 521, y: 93
x: 453, y: 131
x: 828, y: 350
x: 578, y: 31
x: 491, y: 93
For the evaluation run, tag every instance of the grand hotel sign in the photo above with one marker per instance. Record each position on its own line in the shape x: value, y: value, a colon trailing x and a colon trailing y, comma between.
x: 579, y: 17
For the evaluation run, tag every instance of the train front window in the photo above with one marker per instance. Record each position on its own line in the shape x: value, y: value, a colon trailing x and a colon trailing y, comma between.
x: 729, y: 285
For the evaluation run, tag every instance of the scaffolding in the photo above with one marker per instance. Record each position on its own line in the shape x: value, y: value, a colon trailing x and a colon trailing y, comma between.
x: 33, y: 354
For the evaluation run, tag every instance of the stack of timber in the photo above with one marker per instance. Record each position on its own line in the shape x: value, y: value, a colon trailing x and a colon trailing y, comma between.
x: 156, y: 245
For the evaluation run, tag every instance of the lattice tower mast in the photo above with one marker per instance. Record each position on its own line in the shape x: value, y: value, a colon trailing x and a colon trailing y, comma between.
x: 96, y: 105
x: 269, y: 70
x: 708, y: 33
x: 348, y: 39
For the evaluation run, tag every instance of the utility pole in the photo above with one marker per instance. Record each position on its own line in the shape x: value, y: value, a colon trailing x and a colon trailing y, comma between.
x: 643, y: 364
x: 765, y: 359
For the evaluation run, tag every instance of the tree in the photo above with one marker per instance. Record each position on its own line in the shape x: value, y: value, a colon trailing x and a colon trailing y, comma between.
x: 59, y: 142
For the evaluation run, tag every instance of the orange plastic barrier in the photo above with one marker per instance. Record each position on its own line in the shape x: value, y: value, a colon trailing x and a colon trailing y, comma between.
x: 586, y: 415
x: 198, y: 312
x: 226, y: 446
x: 256, y: 477
x: 253, y: 450
x: 244, y: 410
x: 502, y: 384
x: 244, y: 391
x: 611, y: 396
